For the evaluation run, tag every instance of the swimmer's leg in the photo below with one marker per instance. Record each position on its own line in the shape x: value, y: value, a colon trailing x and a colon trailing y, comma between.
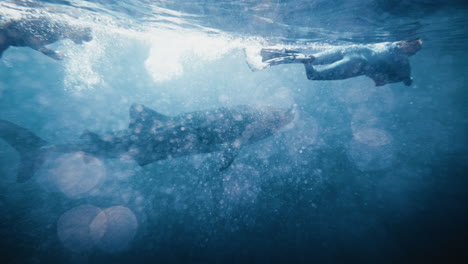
x: 328, y: 56
x: 342, y: 69
x: 51, y: 53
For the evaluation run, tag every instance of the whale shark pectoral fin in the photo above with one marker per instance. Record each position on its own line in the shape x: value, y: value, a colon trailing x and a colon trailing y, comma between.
x: 142, y: 114
x: 228, y: 157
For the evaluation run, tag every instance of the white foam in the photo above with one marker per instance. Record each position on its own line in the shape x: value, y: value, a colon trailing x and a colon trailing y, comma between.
x: 170, y: 49
x: 79, y: 66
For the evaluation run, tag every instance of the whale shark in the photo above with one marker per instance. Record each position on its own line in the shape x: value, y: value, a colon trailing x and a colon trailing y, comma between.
x: 152, y: 136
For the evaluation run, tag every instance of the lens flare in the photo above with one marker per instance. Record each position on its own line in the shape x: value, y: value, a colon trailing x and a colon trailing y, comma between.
x: 74, y: 228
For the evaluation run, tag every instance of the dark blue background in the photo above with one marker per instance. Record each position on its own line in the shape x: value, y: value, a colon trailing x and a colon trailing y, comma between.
x: 308, y: 196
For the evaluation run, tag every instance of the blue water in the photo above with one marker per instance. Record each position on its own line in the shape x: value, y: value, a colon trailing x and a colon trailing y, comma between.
x: 364, y: 174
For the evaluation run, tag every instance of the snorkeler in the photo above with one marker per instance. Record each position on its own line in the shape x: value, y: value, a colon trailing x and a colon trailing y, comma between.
x: 38, y: 32
x: 382, y: 62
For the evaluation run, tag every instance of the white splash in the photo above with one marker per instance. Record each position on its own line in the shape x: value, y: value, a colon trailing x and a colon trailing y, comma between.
x: 170, y: 49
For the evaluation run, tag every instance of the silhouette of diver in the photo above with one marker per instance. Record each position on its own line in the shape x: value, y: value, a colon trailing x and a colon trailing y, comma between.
x: 38, y: 32
x: 382, y: 62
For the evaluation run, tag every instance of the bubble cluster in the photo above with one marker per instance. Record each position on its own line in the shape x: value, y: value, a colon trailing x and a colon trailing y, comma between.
x: 241, y: 184
x: 302, y: 136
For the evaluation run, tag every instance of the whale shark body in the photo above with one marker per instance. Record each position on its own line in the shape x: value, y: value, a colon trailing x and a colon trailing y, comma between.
x: 152, y: 136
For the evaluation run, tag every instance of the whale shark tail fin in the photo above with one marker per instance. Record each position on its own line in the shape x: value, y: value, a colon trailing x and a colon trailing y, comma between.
x: 27, y: 144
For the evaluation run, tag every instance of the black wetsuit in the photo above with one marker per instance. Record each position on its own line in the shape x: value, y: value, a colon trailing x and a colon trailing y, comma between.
x: 382, y: 62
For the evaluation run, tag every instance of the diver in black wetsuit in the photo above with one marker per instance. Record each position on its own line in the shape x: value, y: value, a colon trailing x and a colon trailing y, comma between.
x: 382, y: 62
x: 38, y: 32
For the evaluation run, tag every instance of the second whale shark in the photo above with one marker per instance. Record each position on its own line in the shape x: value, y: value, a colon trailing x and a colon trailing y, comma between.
x: 152, y: 136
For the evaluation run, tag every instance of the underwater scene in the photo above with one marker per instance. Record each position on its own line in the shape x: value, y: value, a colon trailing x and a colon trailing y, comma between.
x: 222, y: 131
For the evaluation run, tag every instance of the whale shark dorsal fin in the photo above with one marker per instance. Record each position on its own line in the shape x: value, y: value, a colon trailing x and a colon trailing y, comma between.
x: 140, y: 114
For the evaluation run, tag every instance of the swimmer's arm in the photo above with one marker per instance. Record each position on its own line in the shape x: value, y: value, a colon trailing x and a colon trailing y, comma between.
x: 340, y: 70
x: 51, y: 53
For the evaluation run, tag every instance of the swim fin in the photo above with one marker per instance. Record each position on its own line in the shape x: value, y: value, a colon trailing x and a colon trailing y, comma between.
x: 27, y: 144
x: 268, y: 54
x: 284, y: 56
